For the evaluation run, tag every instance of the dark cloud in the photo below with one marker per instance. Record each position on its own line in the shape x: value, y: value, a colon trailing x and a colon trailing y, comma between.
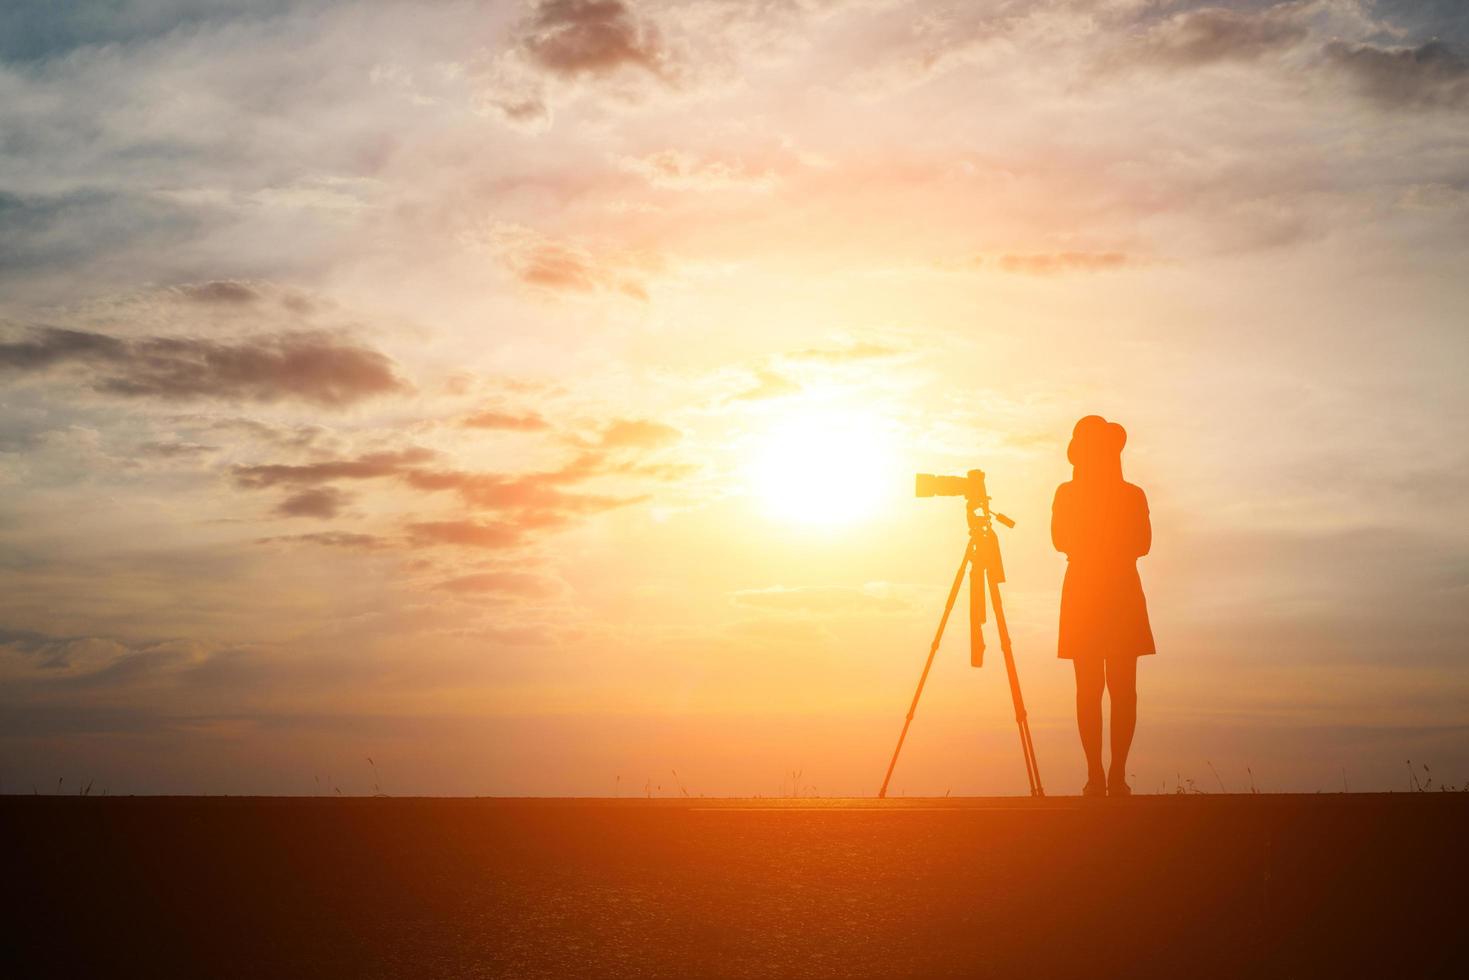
x: 366, y: 467
x: 322, y: 502
x: 1425, y: 20
x: 491, y: 419
x: 24, y: 431
x: 331, y: 539
x: 1213, y: 34
x: 175, y: 450
x: 528, y: 110
x: 591, y: 37
x: 53, y: 345
x: 42, y: 646
x: 82, y: 661
x: 40, y: 31
x: 90, y: 231
x: 1056, y: 263
x: 312, y: 367
x: 1432, y: 74
x: 222, y: 291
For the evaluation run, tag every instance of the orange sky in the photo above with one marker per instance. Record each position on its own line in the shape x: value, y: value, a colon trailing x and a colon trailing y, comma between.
x: 528, y: 396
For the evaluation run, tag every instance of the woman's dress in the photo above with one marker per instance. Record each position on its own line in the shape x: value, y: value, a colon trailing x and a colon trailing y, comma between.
x: 1103, y: 528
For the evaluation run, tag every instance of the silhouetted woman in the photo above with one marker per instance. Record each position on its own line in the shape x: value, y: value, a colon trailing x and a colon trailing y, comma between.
x: 1101, y: 523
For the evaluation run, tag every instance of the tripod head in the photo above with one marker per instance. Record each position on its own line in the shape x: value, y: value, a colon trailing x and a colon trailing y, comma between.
x: 971, y: 487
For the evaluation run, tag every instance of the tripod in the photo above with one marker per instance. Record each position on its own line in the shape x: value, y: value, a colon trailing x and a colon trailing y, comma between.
x: 982, y: 561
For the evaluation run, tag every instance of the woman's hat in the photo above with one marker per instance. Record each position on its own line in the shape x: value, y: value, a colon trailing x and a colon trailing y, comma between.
x: 1093, y: 435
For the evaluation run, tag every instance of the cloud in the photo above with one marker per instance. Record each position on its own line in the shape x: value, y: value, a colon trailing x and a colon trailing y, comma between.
x: 611, y: 50
x: 470, y: 534
x: 79, y: 662
x: 562, y: 267
x: 638, y: 434
x: 873, y: 597
x: 293, y: 437
x: 538, y: 493
x: 492, y: 419
x: 54, y: 345
x: 567, y: 267
x: 61, y: 653
x: 669, y: 472
x: 840, y: 355
x: 531, y: 501
x: 1214, y: 34
x: 525, y: 109
x: 312, y: 367
x: 223, y: 291
x: 591, y: 37
x: 174, y: 450
x: 366, y: 467
x: 322, y: 502
x: 502, y: 583
x: 1432, y: 74
x: 679, y: 170
x: 563, y: 42
x: 331, y: 539
x: 1057, y: 263
x: 94, y: 232
x: 558, y: 267
x: 49, y: 30
x: 768, y: 384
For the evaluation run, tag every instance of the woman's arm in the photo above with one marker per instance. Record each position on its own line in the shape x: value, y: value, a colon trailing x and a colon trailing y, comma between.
x: 1142, y: 526
x: 1062, y: 526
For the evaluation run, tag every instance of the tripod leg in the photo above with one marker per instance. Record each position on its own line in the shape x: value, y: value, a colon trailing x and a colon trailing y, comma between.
x: 976, y: 605
x: 1022, y: 721
x: 937, y: 638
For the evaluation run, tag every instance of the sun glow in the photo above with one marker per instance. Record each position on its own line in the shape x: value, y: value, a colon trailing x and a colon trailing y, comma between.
x: 824, y: 466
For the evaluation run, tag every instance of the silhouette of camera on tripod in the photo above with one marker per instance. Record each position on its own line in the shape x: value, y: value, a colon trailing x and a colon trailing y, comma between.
x: 986, y: 571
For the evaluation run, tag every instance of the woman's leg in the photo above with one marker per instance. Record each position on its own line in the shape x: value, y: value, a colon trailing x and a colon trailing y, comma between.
x: 1122, y: 693
x: 1090, y: 680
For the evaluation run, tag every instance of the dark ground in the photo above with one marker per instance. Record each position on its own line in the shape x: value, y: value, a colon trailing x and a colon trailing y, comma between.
x: 1324, y: 885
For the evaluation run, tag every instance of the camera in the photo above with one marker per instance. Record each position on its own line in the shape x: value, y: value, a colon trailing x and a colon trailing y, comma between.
x: 970, y: 487
x: 932, y: 485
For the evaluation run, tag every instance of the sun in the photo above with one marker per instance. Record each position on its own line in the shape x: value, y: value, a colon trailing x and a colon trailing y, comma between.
x: 823, y: 466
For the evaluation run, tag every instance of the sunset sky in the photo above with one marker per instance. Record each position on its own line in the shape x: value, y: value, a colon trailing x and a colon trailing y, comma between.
x: 527, y: 395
